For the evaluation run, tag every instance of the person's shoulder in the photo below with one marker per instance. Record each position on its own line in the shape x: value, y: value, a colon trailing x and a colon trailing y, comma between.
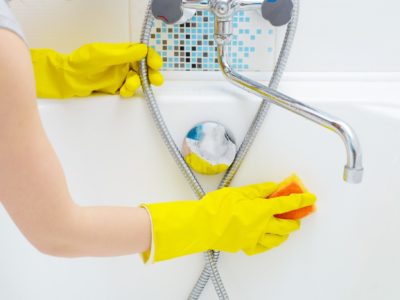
x: 16, y: 74
x: 12, y: 46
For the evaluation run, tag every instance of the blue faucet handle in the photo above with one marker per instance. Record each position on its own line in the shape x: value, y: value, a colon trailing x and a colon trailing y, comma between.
x: 168, y: 11
x: 277, y: 12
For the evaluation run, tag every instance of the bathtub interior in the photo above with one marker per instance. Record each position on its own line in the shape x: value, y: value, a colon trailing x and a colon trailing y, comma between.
x: 112, y: 154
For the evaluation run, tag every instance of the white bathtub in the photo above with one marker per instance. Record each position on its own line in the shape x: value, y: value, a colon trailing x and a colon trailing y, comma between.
x: 112, y: 155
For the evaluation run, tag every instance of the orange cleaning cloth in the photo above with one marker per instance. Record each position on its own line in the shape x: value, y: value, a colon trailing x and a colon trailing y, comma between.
x: 292, y: 185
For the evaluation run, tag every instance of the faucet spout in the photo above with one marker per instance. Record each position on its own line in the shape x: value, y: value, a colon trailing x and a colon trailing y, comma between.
x: 353, y: 170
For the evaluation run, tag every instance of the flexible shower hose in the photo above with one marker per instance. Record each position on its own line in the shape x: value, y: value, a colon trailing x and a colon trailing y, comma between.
x: 210, y: 269
x: 252, y: 133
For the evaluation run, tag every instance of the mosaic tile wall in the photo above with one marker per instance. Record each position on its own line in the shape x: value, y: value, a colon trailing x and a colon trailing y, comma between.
x: 191, y: 46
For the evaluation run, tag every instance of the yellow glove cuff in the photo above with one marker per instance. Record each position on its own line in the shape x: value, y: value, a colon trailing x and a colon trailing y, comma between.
x: 148, y: 256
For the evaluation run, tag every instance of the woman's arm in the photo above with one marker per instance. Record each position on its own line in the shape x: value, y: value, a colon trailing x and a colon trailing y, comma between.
x: 32, y: 183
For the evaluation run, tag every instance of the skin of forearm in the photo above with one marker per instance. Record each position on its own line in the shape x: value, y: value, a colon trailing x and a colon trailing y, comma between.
x: 100, y: 231
x: 108, y: 231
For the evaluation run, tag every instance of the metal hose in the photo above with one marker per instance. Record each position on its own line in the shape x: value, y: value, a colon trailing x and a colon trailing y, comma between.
x: 211, y: 256
x: 173, y: 149
x: 253, y: 131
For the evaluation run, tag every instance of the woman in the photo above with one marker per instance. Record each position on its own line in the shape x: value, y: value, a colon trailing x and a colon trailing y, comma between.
x: 33, y: 189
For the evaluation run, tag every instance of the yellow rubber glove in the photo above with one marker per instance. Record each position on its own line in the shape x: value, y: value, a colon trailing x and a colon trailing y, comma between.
x: 230, y: 219
x: 99, y: 67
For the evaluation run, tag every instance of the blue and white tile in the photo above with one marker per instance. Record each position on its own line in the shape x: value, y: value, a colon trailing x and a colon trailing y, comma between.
x: 191, y: 46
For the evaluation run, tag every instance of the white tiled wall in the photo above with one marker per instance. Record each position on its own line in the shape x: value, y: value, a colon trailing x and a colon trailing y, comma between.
x: 340, y: 35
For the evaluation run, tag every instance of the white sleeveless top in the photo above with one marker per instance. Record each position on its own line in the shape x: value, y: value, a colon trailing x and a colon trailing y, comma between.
x: 8, y: 21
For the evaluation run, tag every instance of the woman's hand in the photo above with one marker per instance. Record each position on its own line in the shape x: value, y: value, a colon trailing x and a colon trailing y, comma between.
x: 99, y: 67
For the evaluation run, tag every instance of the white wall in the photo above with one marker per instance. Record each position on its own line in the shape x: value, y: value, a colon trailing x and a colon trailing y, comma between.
x: 357, y: 35
x: 342, y: 35
x: 67, y: 24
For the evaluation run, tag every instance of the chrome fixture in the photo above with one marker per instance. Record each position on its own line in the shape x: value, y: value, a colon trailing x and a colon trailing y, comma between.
x: 209, y: 148
x: 278, y: 13
x: 353, y: 170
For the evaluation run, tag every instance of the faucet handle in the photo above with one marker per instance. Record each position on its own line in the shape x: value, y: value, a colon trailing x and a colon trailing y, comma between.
x: 168, y: 11
x: 277, y: 12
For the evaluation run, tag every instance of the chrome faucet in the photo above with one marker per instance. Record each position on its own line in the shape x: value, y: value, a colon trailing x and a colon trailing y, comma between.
x: 353, y: 170
x: 278, y: 13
